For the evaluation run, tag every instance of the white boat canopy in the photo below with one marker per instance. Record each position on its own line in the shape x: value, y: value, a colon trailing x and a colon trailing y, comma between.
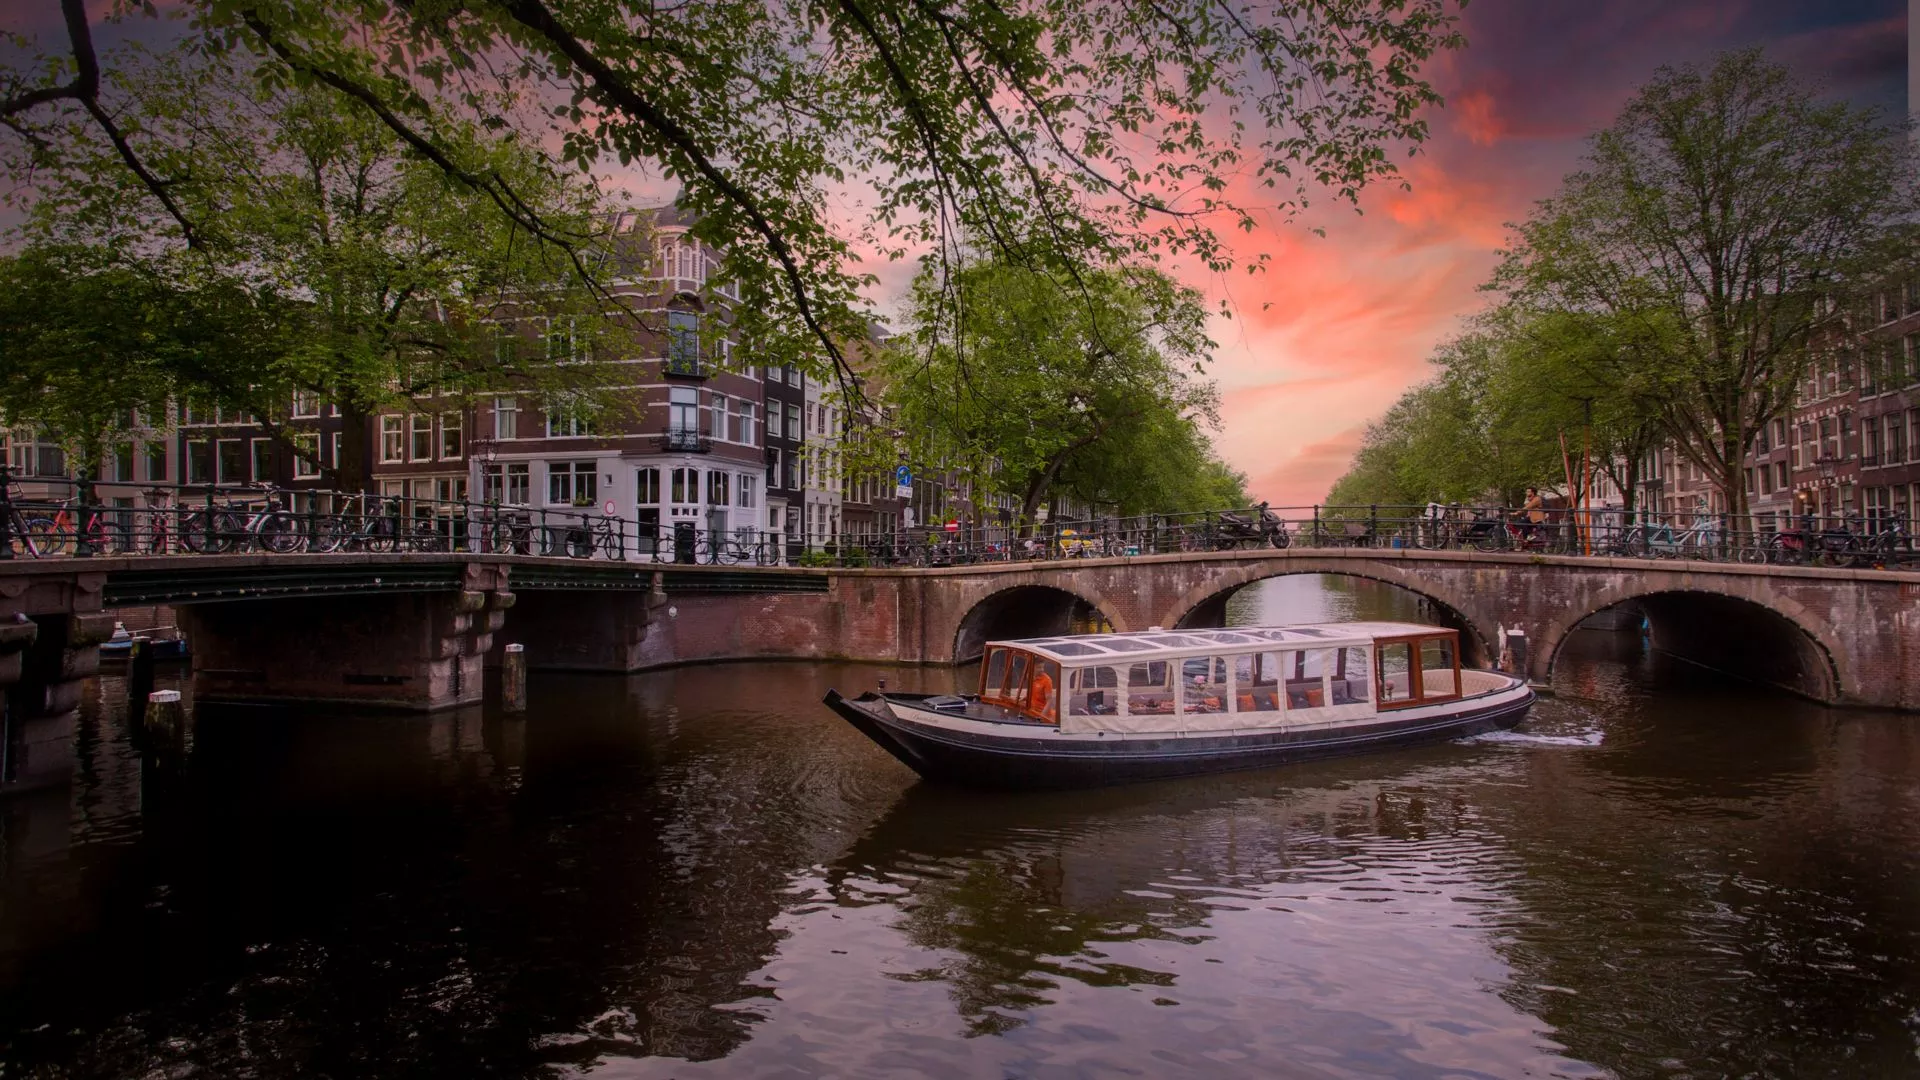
x: 1080, y: 649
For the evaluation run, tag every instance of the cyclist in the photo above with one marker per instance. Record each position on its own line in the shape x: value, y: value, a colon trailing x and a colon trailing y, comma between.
x: 1533, y: 513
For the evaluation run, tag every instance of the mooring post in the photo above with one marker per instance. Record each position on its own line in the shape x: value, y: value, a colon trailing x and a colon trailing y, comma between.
x: 139, y: 680
x: 513, y: 679
x: 166, y: 716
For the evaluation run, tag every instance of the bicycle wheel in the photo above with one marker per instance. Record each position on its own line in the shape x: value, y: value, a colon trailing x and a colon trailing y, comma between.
x: 204, y: 533
x: 329, y: 533
x: 277, y: 532
x: 50, y: 537
x: 380, y: 534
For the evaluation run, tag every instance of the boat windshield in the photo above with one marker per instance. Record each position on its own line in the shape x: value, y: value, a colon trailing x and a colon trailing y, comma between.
x: 1017, y: 679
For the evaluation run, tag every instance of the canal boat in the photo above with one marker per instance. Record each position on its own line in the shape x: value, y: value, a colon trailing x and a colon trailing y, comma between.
x: 1094, y: 709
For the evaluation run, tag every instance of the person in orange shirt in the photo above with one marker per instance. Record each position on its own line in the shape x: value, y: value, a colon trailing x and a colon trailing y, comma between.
x: 1040, y: 695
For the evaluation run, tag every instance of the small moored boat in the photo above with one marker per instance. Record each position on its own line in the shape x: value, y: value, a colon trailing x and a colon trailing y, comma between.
x: 1096, y: 709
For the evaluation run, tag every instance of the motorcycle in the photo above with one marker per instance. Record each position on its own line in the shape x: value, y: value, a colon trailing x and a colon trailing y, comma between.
x: 1235, y: 531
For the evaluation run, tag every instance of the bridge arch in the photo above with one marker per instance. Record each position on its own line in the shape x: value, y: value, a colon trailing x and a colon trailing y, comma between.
x: 1207, y: 599
x: 1775, y: 640
x: 1022, y: 611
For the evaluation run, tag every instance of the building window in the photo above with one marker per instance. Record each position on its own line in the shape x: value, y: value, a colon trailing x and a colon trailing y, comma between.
x: 568, y: 422
x: 262, y: 460
x: 506, y: 418
x: 563, y: 341
x: 157, y: 462
x: 743, y: 492
x: 572, y: 483
x: 773, y: 468
x: 306, y: 456
x: 683, y: 342
x: 794, y: 431
x: 199, y: 462
x: 647, y: 487
x: 686, y: 486
x: 1780, y: 475
x: 450, y: 431
x: 231, y: 461
x: 393, y: 439
x: 717, y: 488
x: 508, y: 484
x: 420, y: 445
x: 717, y: 416
x: 120, y: 465
x: 683, y: 407
x: 1896, y: 440
x: 306, y: 405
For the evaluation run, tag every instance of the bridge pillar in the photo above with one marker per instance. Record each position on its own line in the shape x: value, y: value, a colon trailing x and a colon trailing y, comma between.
x: 584, y: 631
x: 51, y: 626
x: 416, y: 651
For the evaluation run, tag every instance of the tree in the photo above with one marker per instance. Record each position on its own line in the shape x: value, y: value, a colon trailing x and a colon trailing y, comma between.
x: 1040, y: 383
x: 1518, y: 393
x: 1712, y: 223
x: 1061, y: 132
x: 85, y: 341
x: 376, y: 279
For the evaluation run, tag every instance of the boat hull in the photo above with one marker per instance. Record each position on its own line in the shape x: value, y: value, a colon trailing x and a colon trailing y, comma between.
x: 1037, y: 759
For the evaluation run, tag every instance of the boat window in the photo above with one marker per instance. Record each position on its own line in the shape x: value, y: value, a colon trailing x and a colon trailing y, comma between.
x: 1148, y: 690
x: 1256, y: 683
x: 1352, y: 680
x: 1043, y: 693
x: 1093, y: 691
x: 1017, y: 677
x: 1073, y: 648
x: 1307, y: 678
x: 1203, y: 681
x: 1396, y: 671
x: 994, y: 676
x: 1437, y: 679
x: 1125, y: 644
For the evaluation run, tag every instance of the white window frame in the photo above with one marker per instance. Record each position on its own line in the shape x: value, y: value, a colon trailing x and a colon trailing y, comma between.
x: 307, y: 442
x: 393, y: 439
x: 419, y: 425
x: 452, y: 424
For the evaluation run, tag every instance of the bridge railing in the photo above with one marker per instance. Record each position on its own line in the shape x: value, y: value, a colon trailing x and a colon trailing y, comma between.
x: 79, y: 519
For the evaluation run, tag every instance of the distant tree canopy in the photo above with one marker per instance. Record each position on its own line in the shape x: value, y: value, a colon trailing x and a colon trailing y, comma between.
x: 1038, y: 385
x: 1670, y: 292
x: 1059, y: 132
x: 328, y: 258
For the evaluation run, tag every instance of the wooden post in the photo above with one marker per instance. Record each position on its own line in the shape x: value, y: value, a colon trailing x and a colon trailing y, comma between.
x: 139, y: 680
x: 166, y: 716
x: 513, y: 679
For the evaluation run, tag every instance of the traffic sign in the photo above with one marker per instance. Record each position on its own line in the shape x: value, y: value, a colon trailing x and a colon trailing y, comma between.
x: 903, y: 483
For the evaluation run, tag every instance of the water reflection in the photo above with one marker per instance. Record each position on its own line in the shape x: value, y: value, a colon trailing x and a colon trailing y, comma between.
x: 700, y: 872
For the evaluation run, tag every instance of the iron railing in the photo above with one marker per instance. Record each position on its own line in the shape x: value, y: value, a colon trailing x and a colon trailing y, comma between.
x: 213, y: 520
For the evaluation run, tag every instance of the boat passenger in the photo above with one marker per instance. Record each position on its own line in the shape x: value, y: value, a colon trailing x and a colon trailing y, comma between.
x: 1040, y: 698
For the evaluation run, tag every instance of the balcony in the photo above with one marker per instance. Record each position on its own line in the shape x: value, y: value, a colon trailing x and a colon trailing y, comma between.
x: 685, y: 441
x: 686, y: 364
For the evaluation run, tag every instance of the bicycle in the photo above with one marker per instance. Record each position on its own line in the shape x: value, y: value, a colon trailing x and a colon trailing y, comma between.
x: 236, y: 526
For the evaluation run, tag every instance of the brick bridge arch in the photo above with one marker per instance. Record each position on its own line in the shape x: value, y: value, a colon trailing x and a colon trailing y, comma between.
x: 1481, y: 628
x: 1823, y: 669
x: 1053, y: 600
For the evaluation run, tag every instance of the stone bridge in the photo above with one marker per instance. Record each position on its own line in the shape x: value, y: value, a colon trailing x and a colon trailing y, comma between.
x: 416, y: 630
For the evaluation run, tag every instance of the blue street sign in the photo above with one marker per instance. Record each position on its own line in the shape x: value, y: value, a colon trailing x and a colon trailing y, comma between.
x: 903, y: 475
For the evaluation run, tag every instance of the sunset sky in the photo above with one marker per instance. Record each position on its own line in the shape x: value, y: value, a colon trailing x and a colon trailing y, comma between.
x: 1354, y: 315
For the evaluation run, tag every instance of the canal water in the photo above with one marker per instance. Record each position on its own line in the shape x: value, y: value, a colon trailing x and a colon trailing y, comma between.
x: 703, y: 873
